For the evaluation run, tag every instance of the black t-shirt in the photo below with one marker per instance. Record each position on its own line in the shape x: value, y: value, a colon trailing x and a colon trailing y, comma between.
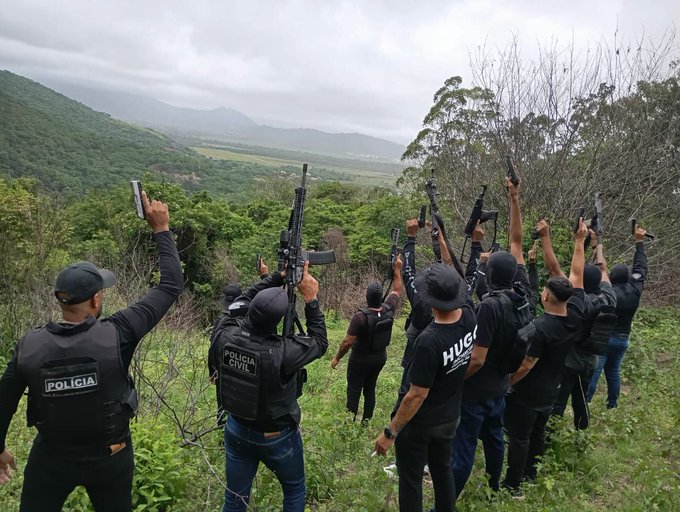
x: 550, y: 343
x: 441, y: 355
x: 493, y: 332
x: 358, y: 326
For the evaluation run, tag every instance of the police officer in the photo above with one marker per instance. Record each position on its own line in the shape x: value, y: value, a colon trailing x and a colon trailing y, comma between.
x: 368, y: 335
x: 258, y: 383
x: 80, y: 395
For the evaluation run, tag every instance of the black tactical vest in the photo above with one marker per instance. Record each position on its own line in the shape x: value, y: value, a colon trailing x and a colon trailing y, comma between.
x: 252, y: 385
x: 79, y: 393
x: 378, y: 334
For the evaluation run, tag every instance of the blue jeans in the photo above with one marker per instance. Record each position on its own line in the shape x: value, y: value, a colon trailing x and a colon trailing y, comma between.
x: 482, y: 420
x: 611, y: 364
x: 282, y: 454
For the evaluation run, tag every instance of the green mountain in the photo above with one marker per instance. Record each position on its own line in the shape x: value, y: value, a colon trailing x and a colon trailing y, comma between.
x: 71, y: 148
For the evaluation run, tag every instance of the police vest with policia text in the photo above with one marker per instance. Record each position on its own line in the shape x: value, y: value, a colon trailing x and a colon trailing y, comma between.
x: 79, y: 393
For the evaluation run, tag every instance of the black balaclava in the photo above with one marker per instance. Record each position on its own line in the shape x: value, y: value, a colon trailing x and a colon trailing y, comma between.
x: 267, y: 309
x: 619, y: 274
x: 500, y: 270
x: 374, y: 294
x: 592, y: 277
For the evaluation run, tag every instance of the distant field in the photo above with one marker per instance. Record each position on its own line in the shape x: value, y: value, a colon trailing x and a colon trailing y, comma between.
x: 354, y: 173
x: 224, y: 154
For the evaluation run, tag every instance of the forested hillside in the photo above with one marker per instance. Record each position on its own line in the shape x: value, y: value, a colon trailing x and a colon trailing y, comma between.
x: 70, y: 148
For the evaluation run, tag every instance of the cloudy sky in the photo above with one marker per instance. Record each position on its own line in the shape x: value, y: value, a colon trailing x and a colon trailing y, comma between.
x: 370, y: 66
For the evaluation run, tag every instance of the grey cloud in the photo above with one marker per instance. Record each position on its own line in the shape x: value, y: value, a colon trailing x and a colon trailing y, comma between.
x: 339, y: 66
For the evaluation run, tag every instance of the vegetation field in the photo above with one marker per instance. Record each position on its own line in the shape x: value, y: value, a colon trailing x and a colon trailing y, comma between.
x: 626, y: 461
x: 342, y: 170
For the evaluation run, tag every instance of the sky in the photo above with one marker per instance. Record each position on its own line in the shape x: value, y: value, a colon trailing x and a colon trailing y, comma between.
x: 367, y: 66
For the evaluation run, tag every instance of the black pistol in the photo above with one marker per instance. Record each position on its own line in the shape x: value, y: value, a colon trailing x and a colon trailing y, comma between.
x: 512, y: 174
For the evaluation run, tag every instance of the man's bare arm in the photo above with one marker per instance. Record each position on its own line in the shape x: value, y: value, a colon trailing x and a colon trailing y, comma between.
x: 549, y: 258
x: 477, y: 360
x: 527, y: 365
x: 515, y: 222
x: 408, y: 408
x: 578, y: 260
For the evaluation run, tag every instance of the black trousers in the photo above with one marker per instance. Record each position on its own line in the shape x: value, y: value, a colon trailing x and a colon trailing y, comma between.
x: 574, y: 384
x: 362, y: 375
x: 49, y: 479
x: 416, y: 446
x: 525, y: 430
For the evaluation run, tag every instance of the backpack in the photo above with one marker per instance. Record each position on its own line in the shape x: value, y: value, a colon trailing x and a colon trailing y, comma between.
x: 601, y: 328
x: 515, y: 352
x: 379, y: 332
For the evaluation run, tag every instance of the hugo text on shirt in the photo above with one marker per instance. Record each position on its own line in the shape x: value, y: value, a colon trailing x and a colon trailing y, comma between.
x: 459, y: 354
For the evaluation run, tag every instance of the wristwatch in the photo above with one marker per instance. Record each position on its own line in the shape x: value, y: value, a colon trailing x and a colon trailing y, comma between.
x: 314, y: 303
x: 389, y: 434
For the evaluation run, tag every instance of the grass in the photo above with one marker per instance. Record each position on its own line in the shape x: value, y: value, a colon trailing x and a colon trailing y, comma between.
x: 346, y: 171
x: 224, y: 154
x: 626, y: 461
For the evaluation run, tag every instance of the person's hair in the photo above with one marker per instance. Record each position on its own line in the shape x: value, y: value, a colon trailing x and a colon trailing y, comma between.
x: 560, y: 287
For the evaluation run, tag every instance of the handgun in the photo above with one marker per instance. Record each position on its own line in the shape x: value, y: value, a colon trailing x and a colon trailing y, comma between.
x: 137, y: 196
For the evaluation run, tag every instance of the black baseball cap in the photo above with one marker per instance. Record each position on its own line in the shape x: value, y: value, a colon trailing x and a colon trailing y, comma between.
x: 441, y: 287
x: 80, y: 281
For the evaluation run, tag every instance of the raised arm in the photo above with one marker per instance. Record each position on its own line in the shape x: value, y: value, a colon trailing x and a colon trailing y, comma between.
x: 639, y: 274
x: 578, y: 261
x: 398, y: 281
x: 549, y: 258
x: 481, y: 285
x: 300, y: 350
x: 409, y: 273
x: 601, y: 262
x: 135, y: 321
x: 515, y: 222
x: 473, y: 261
x: 532, y: 272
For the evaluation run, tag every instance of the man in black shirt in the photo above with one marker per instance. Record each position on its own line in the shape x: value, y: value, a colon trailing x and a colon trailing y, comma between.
x: 258, y: 382
x: 368, y: 335
x: 421, y: 311
x: 535, y: 385
x: 483, y: 404
x: 628, y: 284
x: 425, y: 418
x: 80, y: 395
x: 581, y: 361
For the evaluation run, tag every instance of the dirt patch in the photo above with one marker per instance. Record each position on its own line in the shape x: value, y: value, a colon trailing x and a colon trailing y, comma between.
x: 665, y: 359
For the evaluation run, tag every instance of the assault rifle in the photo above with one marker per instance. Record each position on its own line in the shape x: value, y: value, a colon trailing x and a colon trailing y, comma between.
x: 292, y: 258
x: 596, y: 220
x: 438, y: 224
x: 394, y: 254
x: 479, y: 214
x: 633, y: 227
